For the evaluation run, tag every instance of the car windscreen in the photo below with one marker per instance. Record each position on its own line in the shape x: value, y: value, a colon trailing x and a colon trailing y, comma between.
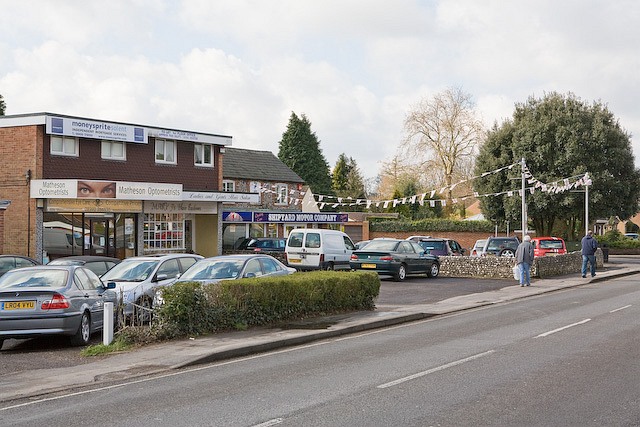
x: 433, y: 246
x: 381, y: 245
x: 131, y: 271
x: 213, y: 269
x: 25, y: 278
x: 551, y: 244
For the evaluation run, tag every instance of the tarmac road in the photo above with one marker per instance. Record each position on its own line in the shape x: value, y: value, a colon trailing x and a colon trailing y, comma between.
x: 28, y: 371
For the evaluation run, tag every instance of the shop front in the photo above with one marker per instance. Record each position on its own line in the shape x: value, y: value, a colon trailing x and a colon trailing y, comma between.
x: 240, y: 225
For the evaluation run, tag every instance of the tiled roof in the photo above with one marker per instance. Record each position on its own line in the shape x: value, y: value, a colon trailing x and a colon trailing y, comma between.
x: 239, y: 163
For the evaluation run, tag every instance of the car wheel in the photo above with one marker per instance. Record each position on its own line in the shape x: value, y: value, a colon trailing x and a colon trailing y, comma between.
x: 142, y: 314
x: 434, y: 270
x: 329, y: 266
x: 401, y: 274
x: 508, y: 253
x: 83, y: 334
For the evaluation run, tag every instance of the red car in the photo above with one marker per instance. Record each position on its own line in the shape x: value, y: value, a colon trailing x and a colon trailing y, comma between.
x: 548, y: 246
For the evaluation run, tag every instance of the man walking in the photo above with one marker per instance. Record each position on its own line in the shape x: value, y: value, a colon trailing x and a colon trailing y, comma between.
x: 589, y: 246
x: 524, y: 259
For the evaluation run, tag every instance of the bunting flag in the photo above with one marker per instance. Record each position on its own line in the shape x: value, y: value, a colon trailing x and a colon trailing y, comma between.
x: 322, y: 200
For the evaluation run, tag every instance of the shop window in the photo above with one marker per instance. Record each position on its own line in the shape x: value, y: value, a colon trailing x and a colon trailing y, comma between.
x: 282, y: 191
x: 113, y: 150
x: 229, y: 186
x: 64, y: 146
x: 165, y: 151
x: 203, y: 154
x: 164, y: 232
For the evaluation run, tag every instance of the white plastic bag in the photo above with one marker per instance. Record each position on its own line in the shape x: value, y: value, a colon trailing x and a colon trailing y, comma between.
x: 516, y: 272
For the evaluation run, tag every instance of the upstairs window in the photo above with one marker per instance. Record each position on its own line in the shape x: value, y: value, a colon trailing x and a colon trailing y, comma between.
x: 165, y: 151
x: 282, y: 191
x: 64, y: 146
x: 113, y: 150
x: 203, y: 154
x: 229, y: 186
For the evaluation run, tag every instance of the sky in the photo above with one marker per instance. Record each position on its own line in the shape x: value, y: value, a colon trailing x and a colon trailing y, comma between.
x: 354, y: 68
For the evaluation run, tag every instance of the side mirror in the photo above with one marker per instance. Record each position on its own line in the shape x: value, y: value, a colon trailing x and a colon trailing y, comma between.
x: 161, y: 277
x: 110, y: 285
x: 249, y: 275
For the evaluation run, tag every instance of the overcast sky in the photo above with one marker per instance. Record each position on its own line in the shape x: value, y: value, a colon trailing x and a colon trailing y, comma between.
x: 353, y: 67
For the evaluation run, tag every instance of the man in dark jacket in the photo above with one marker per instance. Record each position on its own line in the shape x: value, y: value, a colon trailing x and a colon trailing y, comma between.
x: 589, y: 246
x: 524, y: 259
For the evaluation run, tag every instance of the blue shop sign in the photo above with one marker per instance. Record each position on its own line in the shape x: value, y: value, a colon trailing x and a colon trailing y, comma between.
x: 237, y: 216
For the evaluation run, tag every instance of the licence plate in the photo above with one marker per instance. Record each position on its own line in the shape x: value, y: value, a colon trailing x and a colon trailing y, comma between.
x: 369, y: 266
x: 293, y: 261
x: 18, y: 305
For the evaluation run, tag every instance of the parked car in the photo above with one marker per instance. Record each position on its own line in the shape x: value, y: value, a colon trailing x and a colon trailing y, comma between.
x: 545, y: 246
x: 633, y: 236
x: 315, y: 248
x: 52, y: 300
x: 267, y: 244
x: 229, y: 267
x: 395, y: 257
x: 478, y: 247
x: 439, y: 246
x: 96, y: 263
x: 9, y: 262
x: 137, y: 278
x: 501, y: 246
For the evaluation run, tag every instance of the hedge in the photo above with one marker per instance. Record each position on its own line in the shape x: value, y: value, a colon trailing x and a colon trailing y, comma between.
x: 432, y: 224
x: 193, y: 309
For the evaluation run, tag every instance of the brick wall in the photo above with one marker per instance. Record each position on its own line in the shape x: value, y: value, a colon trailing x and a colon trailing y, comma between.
x: 19, y: 154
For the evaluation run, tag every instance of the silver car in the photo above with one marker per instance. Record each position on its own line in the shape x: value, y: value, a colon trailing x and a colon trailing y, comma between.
x: 52, y: 300
x: 227, y: 267
x: 136, y: 280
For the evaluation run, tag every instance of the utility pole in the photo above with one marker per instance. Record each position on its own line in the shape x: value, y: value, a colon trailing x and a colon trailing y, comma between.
x: 524, y: 203
x: 586, y: 203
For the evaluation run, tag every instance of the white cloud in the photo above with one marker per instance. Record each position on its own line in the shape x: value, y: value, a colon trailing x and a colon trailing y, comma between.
x: 353, y: 67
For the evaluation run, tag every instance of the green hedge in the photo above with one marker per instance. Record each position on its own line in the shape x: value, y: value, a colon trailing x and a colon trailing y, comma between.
x: 432, y: 224
x: 192, y: 309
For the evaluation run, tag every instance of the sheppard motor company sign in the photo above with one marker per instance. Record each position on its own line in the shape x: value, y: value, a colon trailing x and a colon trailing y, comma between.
x: 299, y: 217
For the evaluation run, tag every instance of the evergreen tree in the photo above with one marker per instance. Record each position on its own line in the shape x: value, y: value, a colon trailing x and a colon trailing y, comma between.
x: 3, y: 106
x: 559, y: 136
x: 300, y: 150
x: 348, y: 182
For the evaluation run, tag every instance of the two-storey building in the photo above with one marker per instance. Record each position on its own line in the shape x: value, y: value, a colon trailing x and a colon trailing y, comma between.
x: 72, y: 185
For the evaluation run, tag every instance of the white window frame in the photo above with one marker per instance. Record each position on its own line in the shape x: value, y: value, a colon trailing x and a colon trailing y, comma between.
x: 164, y: 232
x: 70, y: 146
x: 169, y: 146
x: 200, y: 150
x: 107, y: 146
x: 228, y: 186
x: 282, y: 194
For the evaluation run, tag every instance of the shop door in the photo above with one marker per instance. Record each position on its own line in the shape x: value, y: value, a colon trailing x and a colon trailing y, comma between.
x: 102, y: 239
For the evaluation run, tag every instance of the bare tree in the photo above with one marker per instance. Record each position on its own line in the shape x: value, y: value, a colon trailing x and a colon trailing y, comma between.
x: 442, y: 135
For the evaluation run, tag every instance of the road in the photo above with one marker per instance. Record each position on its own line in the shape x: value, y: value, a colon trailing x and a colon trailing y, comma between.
x: 56, y: 352
x: 563, y: 358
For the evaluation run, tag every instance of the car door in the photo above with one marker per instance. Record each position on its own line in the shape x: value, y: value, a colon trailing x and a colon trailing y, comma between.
x: 87, y: 283
x: 411, y: 257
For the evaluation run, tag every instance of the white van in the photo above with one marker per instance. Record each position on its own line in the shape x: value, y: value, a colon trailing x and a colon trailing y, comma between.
x: 314, y: 249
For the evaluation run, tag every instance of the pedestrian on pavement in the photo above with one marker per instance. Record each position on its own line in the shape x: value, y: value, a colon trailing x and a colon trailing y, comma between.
x: 524, y: 259
x: 589, y: 246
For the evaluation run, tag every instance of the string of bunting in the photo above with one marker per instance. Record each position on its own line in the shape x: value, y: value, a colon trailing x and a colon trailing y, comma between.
x: 321, y: 200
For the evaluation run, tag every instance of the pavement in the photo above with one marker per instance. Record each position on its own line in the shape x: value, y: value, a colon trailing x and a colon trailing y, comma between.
x: 169, y: 356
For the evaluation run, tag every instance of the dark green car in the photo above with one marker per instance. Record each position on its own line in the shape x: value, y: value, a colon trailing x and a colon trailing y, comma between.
x: 394, y: 257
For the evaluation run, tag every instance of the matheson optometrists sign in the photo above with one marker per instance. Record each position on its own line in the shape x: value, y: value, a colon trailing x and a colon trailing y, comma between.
x: 95, y: 130
x: 89, y: 189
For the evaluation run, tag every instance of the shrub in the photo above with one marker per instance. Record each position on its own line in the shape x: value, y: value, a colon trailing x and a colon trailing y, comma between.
x: 432, y: 224
x: 193, y: 309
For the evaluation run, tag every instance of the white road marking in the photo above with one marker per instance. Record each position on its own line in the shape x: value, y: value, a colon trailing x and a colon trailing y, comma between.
x: 621, y: 308
x: 563, y: 328
x: 436, y: 369
x: 269, y: 423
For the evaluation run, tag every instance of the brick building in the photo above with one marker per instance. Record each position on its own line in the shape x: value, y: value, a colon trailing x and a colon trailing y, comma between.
x: 72, y: 185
